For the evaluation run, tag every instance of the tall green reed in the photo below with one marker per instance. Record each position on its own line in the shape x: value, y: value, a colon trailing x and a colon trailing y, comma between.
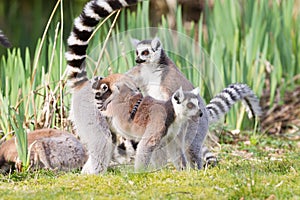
x: 244, y: 36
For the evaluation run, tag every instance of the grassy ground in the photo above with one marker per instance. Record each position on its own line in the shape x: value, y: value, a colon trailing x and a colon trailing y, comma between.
x: 268, y: 170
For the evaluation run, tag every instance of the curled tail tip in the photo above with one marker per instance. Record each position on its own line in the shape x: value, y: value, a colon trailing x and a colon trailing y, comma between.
x: 251, y: 103
x: 223, y: 102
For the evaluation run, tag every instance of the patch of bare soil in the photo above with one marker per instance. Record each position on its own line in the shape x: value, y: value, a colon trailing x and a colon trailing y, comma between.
x: 283, y: 116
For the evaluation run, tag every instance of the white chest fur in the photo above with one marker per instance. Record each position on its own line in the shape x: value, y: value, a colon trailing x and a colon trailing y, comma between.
x: 152, y: 81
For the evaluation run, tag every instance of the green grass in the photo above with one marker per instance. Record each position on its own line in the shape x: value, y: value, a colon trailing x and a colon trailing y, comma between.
x: 245, y: 171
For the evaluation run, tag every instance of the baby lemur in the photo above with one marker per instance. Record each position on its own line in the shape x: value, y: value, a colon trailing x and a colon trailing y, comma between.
x: 151, y: 122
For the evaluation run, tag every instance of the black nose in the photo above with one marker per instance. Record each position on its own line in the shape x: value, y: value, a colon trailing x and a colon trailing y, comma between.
x: 138, y: 60
x: 200, y: 113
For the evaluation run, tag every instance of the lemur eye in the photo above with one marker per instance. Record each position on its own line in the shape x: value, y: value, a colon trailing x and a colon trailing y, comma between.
x: 136, y: 52
x: 190, y: 105
x: 145, y: 53
x: 104, y: 87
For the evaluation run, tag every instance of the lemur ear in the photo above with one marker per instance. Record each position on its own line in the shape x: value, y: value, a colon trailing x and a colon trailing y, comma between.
x: 196, y: 91
x: 135, y: 42
x: 155, y: 44
x: 96, y: 82
x: 178, y: 96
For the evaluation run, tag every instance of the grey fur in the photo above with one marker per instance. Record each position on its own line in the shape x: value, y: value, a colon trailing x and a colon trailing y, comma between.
x: 159, y: 77
x: 90, y: 125
x: 158, y: 124
x: 223, y: 101
x: 48, y: 148
x: 92, y: 129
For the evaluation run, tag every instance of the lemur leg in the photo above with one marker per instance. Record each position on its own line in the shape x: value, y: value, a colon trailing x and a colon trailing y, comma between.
x: 177, y: 155
x: 93, y: 130
x: 144, y: 151
x: 195, y: 136
x: 176, y: 150
x: 155, y: 130
x: 193, y: 145
x: 159, y: 157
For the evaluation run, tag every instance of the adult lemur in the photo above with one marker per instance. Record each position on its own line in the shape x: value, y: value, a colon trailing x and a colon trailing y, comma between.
x: 90, y: 125
x: 48, y: 148
x: 158, y: 76
x: 158, y: 125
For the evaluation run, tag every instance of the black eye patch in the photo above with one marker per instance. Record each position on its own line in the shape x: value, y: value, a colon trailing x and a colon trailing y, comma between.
x: 104, y: 87
x: 145, y: 53
x: 98, y: 96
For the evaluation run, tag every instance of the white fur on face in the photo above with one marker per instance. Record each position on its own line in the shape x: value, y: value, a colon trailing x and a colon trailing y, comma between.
x: 182, y: 109
x: 189, y: 112
x: 152, y: 57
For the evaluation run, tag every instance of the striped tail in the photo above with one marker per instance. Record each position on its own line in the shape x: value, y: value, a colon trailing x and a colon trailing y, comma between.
x: 222, y: 103
x: 210, y: 160
x: 84, y: 26
x: 4, y: 41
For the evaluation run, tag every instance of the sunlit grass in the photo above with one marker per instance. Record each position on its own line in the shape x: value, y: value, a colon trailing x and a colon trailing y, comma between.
x: 238, y: 175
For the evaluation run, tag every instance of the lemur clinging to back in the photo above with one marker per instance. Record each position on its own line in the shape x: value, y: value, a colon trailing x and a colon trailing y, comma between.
x: 158, y: 76
x: 152, y: 122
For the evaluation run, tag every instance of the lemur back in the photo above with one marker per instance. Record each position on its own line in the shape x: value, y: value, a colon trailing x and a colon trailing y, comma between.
x: 148, y: 120
x: 49, y: 149
x: 90, y: 125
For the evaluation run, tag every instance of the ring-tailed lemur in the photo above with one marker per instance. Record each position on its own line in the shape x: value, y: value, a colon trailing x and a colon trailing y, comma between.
x: 216, y: 108
x: 49, y: 149
x: 158, y: 76
x: 4, y: 40
x: 157, y: 125
x: 90, y: 125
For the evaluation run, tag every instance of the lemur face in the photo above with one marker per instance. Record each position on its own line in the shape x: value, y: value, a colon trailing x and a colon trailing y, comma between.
x: 102, y: 93
x: 113, y: 87
x: 186, y: 104
x: 148, y: 51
